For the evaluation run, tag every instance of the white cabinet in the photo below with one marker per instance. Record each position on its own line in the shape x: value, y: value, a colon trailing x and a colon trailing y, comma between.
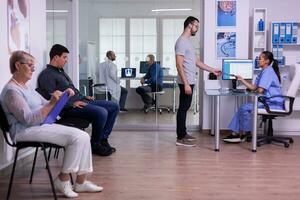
x: 259, y: 33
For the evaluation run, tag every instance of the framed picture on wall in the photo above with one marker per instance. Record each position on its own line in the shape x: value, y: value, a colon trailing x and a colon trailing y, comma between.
x: 226, y: 13
x: 18, y: 25
x: 225, y: 45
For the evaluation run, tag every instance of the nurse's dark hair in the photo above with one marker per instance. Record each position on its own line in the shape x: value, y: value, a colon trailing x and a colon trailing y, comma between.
x: 269, y: 55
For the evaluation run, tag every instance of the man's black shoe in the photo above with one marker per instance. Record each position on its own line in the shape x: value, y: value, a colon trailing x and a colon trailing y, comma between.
x: 101, y: 150
x: 104, y: 142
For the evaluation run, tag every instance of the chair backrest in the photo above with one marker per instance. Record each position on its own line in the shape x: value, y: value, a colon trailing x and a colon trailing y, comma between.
x: 101, y: 73
x: 294, y: 85
x: 4, y: 126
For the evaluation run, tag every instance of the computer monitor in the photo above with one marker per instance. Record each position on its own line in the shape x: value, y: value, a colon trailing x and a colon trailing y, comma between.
x: 144, y: 66
x: 232, y: 67
x: 128, y: 72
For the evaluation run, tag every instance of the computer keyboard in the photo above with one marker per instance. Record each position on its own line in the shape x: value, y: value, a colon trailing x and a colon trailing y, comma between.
x: 239, y: 90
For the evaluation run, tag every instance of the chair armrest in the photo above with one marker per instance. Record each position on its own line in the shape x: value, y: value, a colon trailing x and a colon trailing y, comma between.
x: 99, y: 85
x: 263, y: 99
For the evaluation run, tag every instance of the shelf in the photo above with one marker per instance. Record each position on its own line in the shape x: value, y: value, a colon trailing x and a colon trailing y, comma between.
x: 260, y: 32
x: 259, y: 48
x: 259, y: 40
x: 288, y: 44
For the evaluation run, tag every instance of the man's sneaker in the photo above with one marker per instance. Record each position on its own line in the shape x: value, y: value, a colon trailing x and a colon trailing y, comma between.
x: 101, y: 150
x: 123, y: 110
x: 232, y: 139
x: 87, y: 186
x: 184, y: 142
x: 65, y: 187
x: 243, y: 138
x: 189, y: 137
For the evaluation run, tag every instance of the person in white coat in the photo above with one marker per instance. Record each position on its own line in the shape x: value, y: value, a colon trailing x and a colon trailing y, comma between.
x: 107, y: 73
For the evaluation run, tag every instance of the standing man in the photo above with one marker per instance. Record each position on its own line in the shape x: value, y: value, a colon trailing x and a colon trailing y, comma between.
x: 108, y: 71
x: 186, y: 63
x: 102, y: 114
x: 153, y: 79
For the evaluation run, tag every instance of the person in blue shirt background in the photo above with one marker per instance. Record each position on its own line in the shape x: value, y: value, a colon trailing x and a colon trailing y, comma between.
x: 153, y: 79
x: 266, y: 83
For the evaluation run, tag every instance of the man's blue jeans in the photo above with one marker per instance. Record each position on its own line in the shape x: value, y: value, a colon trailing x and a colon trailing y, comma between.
x: 102, y: 114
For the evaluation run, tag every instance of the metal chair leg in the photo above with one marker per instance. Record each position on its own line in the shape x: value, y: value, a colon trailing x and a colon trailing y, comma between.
x: 49, y: 153
x: 33, y: 165
x: 71, y: 179
x: 56, y: 153
x: 49, y: 173
x: 12, y: 174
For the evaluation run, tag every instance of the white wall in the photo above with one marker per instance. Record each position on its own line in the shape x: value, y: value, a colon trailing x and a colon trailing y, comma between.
x: 210, y: 29
x: 37, y: 49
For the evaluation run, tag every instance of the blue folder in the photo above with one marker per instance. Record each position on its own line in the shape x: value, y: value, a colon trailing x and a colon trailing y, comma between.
x: 275, y: 33
x: 51, y: 118
x: 288, y: 33
x: 282, y: 32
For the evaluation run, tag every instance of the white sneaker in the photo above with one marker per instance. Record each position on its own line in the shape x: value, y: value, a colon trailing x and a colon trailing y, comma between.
x: 87, y: 186
x: 65, y: 187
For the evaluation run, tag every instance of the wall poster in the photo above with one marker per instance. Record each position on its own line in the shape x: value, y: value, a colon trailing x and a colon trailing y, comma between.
x: 226, y: 45
x: 18, y: 25
x: 226, y: 13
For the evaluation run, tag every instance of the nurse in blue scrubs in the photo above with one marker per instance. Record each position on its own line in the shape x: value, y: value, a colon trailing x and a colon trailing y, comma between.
x: 266, y: 83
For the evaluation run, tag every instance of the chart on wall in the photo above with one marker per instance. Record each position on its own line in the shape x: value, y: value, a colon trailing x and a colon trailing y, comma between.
x: 226, y: 45
x: 226, y: 13
x: 18, y: 25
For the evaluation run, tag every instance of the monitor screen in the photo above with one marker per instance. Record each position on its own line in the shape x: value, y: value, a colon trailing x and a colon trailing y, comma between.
x: 128, y: 73
x: 242, y: 67
x: 144, y: 67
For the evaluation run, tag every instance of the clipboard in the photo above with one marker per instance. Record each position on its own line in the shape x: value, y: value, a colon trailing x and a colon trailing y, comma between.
x: 51, y: 118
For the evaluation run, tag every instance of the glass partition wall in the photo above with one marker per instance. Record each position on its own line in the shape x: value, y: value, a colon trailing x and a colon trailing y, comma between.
x: 58, y: 13
x: 132, y: 30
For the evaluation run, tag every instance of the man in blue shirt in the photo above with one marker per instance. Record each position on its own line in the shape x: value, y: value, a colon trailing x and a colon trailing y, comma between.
x: 153, y: 79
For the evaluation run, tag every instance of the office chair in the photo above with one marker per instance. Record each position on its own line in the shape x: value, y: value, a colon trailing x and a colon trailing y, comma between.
x: 156, y: 105
x: 21, y: 145
x: 97, y: 89
x: 268, y: 114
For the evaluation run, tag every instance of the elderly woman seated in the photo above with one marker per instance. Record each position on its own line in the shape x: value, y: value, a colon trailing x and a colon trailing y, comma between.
x: 26, y: 110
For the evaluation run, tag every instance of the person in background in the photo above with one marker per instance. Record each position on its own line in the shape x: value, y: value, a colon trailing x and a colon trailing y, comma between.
x: 153, y: 79
x: 101, y: 113
x: 266, y: 83
x: 109, y: 72
x: 26, y: 110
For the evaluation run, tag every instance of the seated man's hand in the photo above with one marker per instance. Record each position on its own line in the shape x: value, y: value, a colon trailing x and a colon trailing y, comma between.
x: 90, y: 98
x: 142, y: 81
x: 79, y: 104
x: 70, y: 91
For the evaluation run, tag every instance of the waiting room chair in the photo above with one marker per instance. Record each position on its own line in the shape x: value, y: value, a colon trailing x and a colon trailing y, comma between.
x: 66, y: 121
x: 269, y: 114
x: 156, y: 106
x: 21, y: 145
